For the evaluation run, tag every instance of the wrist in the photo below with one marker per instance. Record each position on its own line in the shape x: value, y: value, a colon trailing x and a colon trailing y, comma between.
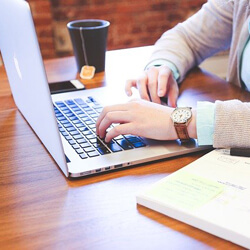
x: 192, y: 131
x: 165, y: 62
x: 182, y: 117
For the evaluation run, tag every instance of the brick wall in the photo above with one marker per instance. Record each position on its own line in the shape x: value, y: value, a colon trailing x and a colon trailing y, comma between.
x: 133, y: 22
x: 43, y: 19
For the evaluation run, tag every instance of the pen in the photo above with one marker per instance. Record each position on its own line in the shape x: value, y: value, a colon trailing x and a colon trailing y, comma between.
x: 238, y: 151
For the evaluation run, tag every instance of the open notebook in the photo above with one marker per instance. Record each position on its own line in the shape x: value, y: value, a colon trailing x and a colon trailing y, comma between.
x: 212, y: 194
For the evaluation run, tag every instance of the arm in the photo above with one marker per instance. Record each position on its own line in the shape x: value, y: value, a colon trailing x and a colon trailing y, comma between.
x: 186, y: 45
x: 202, y: 35
x: 142, y: 118
x: 223, y: 124
x: 232, y: 124
x: 228, y: 122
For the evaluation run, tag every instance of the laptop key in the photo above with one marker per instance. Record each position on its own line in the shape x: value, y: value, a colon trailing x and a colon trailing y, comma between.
x: 60, y: 118
x: 84, y: 128
x: 91, y: 99
x: 64, y: 121
x: 76, y: 146
x: 67, y: 137
x: 79, y: 101
x: 60, y: 103
x: 74, y: 132
x: 89, y: 149
x: 81, y: 140
x: 93, y: 154
x: 96, y: 142
x: 67, y: 125
x: 103, y: 150
x: 64, y: 133
x: 139, y: 144
x: 84, y: 145
x: 114, y: 147
x: 70, y: 129
x: 71, y: 142
x: 79, y: 151
x: 83, y: 155
x: 132, y: 138
x: 61, y: 129
x: 92, y: 126
x: 91, y: 136
x: 79, y: 125
x: 77, y: 121
x: 124, y: 144
x: 79, y: 136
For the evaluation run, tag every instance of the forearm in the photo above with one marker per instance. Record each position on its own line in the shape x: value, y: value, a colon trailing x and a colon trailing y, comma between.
x: 223, y: 124
x: 205, y: 33
x: 232, y: 124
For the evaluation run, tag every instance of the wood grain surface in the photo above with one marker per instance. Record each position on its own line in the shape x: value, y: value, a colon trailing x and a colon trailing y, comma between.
x: 41, y: 209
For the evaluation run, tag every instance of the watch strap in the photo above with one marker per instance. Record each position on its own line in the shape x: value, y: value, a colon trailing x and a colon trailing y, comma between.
x: 182, y: 132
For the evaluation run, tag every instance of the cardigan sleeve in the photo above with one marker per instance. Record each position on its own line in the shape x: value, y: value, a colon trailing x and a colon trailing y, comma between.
x: 232, y: 124
x: 200, y: 36
x: 205, y: 122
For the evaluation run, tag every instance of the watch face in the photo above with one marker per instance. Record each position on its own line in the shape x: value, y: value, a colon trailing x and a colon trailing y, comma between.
x: 181, y: 115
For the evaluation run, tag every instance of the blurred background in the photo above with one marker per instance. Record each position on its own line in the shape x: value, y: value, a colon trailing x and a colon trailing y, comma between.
x: 133, y: 23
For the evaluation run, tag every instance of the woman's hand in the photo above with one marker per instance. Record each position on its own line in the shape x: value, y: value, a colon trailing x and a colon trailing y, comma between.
x: 154, y: 84
x: 137, y: 117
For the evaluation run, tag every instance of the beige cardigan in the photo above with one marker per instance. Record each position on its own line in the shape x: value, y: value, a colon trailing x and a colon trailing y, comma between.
x: 219, y: 25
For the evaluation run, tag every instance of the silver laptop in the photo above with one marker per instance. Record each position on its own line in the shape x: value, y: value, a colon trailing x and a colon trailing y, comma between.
x: 65, y: 123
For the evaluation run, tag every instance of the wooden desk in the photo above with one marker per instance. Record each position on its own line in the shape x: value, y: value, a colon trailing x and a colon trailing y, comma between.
x: 41, y: 209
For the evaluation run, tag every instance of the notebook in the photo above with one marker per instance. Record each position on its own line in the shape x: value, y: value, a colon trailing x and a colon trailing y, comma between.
x: 60, y: 120
x: 211, y: 193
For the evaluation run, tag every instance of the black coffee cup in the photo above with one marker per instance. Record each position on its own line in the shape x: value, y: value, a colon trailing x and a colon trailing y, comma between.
x: 89, y: 40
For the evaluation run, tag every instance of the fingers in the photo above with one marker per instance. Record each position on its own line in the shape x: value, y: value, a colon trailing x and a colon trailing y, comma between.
x: 110, y: 118
x: 121, y: 129
x: 142, y: 83
x: 128, y: 86
x: 173, y: 94
x: 163, y: 79
x: 167, y: 86
x: 152, y: 84
x: 110, y: 115
x: 156, y: 84
x: 105, y: 111
x: 122, y: 115
x: 146, y: 85
x: 140, y: 118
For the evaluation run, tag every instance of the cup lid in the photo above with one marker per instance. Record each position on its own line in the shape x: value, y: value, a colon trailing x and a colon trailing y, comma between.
x: 88, y: 24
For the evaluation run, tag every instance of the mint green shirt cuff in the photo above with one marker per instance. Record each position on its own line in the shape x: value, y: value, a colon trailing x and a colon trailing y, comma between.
x: 160, y: 62
x: 205, y: 123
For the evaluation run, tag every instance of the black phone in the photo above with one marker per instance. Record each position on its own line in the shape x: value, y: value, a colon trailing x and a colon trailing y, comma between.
x: 65, y: 86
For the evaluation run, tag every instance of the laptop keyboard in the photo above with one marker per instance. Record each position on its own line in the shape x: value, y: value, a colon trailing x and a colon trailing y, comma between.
x: 76, y: 121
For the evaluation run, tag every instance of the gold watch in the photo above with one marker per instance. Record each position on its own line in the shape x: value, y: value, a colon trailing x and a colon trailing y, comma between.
x: 181, y: 118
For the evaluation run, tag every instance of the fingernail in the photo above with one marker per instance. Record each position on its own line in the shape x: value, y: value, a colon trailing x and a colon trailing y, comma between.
x: 160, y: 93
x: 128, y: 93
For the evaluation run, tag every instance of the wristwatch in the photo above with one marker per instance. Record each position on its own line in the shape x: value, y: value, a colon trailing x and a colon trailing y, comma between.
x: 181, y: 118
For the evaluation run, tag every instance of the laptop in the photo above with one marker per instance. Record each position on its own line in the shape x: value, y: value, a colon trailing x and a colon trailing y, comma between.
x: 65, y: 122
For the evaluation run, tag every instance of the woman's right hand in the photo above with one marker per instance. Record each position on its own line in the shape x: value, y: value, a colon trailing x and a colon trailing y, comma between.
x: 154, y: 84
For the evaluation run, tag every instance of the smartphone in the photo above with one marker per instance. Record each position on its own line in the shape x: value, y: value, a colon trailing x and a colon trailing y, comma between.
x: 65, y: 86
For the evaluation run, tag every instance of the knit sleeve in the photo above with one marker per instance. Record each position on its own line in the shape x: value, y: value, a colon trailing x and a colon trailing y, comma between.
x: 232, y: 124
x: 200, y: 36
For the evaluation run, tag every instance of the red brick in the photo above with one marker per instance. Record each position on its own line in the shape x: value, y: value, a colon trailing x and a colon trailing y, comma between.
x: 133, y: 23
